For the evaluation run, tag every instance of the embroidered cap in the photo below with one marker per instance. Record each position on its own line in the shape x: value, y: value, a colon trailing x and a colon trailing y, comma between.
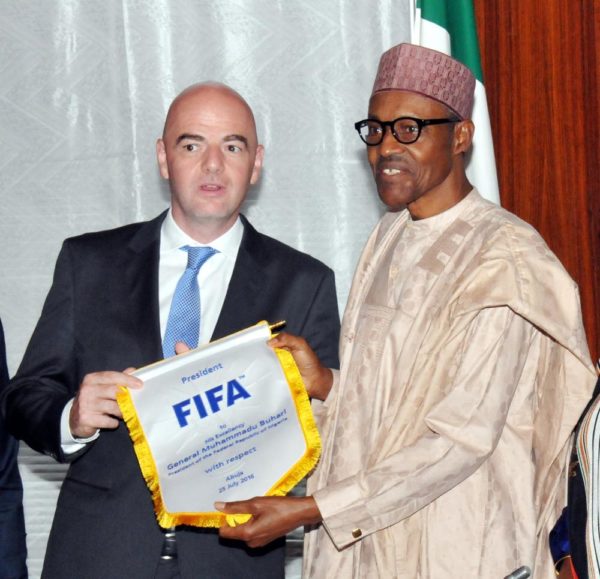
x: 427, y: 72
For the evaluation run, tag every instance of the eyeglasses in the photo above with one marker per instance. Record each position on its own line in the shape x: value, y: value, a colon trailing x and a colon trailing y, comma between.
x: 406, y: 130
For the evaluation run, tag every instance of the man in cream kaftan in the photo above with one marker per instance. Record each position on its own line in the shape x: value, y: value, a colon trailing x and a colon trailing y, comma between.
x: 463, y: 365
x: 447, y: 427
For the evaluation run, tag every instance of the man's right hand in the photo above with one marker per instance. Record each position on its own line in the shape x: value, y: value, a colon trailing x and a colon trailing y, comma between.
x: 95, y: 405
x: 317, y: 378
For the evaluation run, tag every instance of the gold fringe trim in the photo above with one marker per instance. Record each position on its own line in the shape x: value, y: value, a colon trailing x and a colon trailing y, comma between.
x: 150, y: 473
x: 309, y: 428
x: 307, y: 422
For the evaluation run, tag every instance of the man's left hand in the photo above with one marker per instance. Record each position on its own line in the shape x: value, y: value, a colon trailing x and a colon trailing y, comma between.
x: 272, y: 517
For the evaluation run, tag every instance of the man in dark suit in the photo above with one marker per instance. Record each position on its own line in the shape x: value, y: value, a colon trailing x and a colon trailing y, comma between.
x: 107, y: 311
x: 13, y: 551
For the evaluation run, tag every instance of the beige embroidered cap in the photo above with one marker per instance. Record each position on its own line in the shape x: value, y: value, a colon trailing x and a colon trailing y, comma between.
x: 427, y: 72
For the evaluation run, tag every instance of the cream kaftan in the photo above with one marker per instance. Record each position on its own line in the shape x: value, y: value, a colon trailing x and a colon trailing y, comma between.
x: 464, y: 367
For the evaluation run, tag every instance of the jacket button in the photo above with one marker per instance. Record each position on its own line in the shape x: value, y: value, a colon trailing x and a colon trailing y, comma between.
x: 357, y: 533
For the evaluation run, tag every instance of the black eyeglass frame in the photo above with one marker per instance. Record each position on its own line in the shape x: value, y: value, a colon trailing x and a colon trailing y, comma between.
x: 420, y: 124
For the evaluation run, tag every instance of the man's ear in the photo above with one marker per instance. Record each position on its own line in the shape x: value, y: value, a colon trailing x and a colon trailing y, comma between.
x: 463, y: 136
x: 161, y: 157
x: 258, y: 163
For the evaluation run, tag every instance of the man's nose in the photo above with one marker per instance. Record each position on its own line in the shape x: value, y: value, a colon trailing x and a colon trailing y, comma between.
x: 390, y: 145
x: 213, y: 159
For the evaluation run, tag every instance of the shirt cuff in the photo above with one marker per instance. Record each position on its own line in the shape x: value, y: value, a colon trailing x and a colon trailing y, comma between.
x: 68, y: 442
x: 345, y: 514
x: 320, y: 408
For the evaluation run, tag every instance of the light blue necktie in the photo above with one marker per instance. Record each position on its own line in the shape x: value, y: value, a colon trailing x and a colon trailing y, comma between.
x: 183, y: 324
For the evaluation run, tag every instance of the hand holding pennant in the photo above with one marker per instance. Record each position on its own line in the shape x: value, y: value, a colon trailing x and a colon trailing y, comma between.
x: 224, y: 422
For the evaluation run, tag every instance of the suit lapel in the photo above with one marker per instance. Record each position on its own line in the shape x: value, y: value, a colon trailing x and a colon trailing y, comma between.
x: 141, y: 285
x: 242, y: 304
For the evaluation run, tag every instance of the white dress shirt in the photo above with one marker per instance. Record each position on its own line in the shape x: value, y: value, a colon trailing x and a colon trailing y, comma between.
x: 213, y: 280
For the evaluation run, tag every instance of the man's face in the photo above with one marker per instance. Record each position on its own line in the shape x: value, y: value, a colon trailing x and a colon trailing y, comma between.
x: 416, y: 176
x: 210, y: 156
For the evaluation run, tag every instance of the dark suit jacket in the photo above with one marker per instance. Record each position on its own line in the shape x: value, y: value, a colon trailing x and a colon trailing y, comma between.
x: 102, y: 314
x: 13, y: 551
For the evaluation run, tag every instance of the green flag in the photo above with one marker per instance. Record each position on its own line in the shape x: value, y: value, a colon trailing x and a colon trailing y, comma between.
x: 449, y: 26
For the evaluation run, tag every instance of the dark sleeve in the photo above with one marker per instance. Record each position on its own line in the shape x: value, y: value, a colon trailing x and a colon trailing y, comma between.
x: 46, y: 380
x: 13, y: 550
x: 322, y: 326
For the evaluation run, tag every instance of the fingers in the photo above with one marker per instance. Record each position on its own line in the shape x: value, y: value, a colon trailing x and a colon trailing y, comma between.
x: 288, y: 342
x: 95, y: 405
x: 303, y: 354
x: 108, y: 378
x: 235, y: 507
x: 272, y: 517
x: 317, y: 378
x: 237, y: 531
x: 181, y: 348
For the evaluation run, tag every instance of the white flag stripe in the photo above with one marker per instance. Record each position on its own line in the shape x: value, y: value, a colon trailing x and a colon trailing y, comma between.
x: 415, y: 23
x: 483, y: 174
x: 432, y: 35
